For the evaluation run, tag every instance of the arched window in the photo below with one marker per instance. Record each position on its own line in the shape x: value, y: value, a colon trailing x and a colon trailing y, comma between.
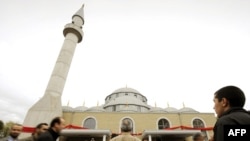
x: 163, y: 123
x: 197, y: 123
x: 89, y: 123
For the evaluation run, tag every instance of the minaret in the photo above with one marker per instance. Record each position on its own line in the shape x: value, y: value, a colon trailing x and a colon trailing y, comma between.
x: 49, y: 106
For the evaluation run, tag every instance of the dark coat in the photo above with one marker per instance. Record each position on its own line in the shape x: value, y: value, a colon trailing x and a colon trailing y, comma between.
x: 49, y: 135
x: 234, y: 116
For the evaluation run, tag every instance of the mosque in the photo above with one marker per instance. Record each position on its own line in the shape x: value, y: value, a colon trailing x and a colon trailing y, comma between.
x: 128, y: 103
x: 149, y: 122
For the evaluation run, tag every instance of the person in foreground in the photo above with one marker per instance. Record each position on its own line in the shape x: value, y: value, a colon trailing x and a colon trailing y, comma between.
x: 15, y: 131
x: 126, y: 129
x: 56, y: 125
x: 228, y: 105
x: 40, y: 128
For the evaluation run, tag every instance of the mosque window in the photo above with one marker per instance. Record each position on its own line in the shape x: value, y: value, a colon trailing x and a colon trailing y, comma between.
x: 117, y: 107
x: 135, y: 95
x: 89, y: 123
x: 197, y: 123
x: 126, y: 94
x: 114, y: 108
x: 163, y: 123
x: 139, y: 108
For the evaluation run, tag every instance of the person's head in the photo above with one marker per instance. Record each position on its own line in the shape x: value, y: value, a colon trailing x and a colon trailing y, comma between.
x: 15, y: 130
x: 228, y: 97
x: 57, y: 124
x: 41, y: 128
x: 198, y: 137
x: 126, y: 126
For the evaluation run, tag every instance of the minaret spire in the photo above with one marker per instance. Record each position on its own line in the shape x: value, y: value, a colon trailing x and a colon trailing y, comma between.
x: 79, y: 13
x: 49, y: 106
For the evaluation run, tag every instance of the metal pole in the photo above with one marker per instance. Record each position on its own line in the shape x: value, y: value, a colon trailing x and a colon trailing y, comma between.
x: 104, y: 138
x: 149, y: 138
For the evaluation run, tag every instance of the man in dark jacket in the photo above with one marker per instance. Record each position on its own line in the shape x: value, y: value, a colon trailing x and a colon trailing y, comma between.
x: 40, y: 128
x: 228, y: 105
x: 56, y: 125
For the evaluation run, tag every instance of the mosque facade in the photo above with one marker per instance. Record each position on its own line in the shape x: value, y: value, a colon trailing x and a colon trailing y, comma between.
x: 128, y: 103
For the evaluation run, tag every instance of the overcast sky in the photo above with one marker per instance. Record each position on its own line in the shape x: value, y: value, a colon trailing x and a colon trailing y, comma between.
x: 171, y: 51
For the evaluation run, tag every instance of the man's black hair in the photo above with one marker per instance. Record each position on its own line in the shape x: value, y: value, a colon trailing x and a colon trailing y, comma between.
x: 55, y: 120
x: 233, y: 94
x: 40, y: 125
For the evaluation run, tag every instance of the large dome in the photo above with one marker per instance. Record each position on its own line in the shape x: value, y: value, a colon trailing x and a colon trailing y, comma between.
x: 126, y: 100
x: 126, y: 90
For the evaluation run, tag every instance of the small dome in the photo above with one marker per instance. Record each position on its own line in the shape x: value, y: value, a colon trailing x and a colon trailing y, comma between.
x: 80, y: 109
x: 67, y: 109
x: 96, y: 109
x: 157, y: 110
x: 187, y: 110
x: 126, y: 90
x: 171, y: 110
